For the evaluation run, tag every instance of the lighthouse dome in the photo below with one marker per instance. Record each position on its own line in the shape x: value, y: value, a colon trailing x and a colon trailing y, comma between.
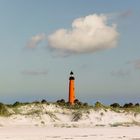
x: 71, y: 76
x: 71, y: 73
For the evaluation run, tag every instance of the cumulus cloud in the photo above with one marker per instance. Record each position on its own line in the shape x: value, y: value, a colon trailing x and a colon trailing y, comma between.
x: 120, y: 73
x: 87, y: 35
x: 36, y: 40
x: 34, y: 72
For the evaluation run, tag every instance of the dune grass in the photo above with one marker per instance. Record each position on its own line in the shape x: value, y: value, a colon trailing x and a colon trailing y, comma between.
x: 4, y: 110
x: 77, y: 107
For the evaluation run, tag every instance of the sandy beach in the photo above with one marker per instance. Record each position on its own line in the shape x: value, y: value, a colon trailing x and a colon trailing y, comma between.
x: 45, y: 133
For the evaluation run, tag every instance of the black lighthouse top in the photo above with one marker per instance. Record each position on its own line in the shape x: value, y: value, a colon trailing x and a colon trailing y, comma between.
x: 71, y: 76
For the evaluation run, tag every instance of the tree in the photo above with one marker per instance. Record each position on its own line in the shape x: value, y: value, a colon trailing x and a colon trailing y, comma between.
x: 16, y: 103
x: 128, y: 105
x: 62, y: 101
x: 76, y: 101
x: 115, y: 105
x: 43, y: 101
x: 137, y: 104
x: 85, y: 104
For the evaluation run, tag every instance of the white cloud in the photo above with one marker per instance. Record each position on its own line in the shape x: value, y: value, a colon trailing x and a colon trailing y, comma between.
x: 35, y: 40
x: 88, y: 34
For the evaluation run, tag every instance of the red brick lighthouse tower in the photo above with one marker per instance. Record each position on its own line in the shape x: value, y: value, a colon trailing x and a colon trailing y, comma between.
x: 71, y: 88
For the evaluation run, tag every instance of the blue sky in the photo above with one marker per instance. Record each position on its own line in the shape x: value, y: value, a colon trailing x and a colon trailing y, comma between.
x: 36, y: 66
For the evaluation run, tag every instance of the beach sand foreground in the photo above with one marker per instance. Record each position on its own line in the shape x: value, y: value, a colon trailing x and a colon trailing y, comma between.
x: 45, y: 133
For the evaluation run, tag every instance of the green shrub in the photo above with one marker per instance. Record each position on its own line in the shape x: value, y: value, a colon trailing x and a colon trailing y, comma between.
x: 98, y: 105
x: 137, y: 104
x: 43, y: 101
x: 61, y: 102
x: 36, y: 102
x: 85, y: 104
x: 128, y: 105
x: 76, y: 101
x: 16, y: 104
x: 115, y: 105
x: 3, y: 110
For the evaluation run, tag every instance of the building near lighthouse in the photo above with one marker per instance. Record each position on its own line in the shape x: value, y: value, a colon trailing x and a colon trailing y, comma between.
x: 71, y: 88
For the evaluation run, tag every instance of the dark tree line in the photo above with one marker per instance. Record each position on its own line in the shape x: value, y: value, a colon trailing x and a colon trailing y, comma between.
x: 126, y: 105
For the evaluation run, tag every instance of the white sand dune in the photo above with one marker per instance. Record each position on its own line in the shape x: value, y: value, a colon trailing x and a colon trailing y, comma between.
x: 52, y: 122
x: 55, y: 116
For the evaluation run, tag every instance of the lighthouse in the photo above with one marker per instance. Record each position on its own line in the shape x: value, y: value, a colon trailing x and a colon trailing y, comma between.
x: 71, y: 88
